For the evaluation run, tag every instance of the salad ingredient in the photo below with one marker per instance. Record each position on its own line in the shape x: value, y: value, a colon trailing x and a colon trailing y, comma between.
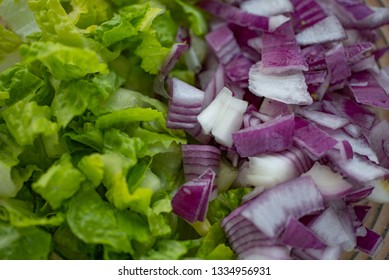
x: 308, y: 70
x: 174, y: 129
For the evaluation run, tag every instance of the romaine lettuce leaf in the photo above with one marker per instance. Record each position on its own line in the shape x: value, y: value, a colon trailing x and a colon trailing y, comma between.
x: 213, y: 245
x: 64, y: 62
x: 9, y: 149
x: 26, y: 120
x: 23, y: 243
x: 97, y: 222
x: 9, y: 41
x: 18, y: 82
x: 69, y: 246
x: 86, y: 13
x: 159, y: 218
x: 60, y: 182
x: 8, y: 188
x: 171, y: 249
x: 20, y: 213
x: 151, y: 52
x: 54, y: 23
x: 195, y: 16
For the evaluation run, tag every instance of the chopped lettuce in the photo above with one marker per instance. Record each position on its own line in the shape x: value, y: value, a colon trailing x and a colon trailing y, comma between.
x: 60, y: 182
x: 26, y: 120
x: 98, y: 222
x: 23, y: 243
x: 64, y: 62
x: 55, y: 24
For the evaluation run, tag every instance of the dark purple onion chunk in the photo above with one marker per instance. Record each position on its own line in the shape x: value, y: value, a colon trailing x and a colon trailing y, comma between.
x: 272, y: 136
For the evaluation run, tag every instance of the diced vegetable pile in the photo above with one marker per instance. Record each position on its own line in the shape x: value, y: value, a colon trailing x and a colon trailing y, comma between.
x: 173, y: 129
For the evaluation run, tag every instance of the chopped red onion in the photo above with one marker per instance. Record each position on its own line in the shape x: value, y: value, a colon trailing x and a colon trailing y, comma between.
x: 297, y: 235
x: 356, y: 8
x: 306, y: 13
x: 235, y: 15
x: 341, y: 233
x: 327, y: 30
x: 280, y: 51
x: 352, y: 167
x: 370, y: 243
x: 311, y: 138
x: 274, y: 203
x: 337, y: 64
x: 223, y: 117
x: 324, y: 119
x: 267, y: 8
x: 370, y: 92
x: 288, y: 87
x: 223, y: 43
x: 191, y: 200
x: 198, y: 158
x: 185, y: 104
x: 253, y: 141
x: 330, y: 184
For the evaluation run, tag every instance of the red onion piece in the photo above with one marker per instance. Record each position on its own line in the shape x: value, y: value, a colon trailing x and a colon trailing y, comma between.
x: 272, y: 203
x: 298, y: 235
x: 255, y: 140
x: 191, y: 200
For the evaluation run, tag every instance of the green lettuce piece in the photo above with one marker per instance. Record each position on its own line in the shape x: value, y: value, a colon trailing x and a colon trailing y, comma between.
x: 9, y: 41
x: 70, y: 247
x: 171, y: 249
x: 152, y: 53
x: 8, y: 188
x: 64, y: 62
x: 20, y: 213
x: 137, y: 78
x: 28, y: 243
x: 141, y: 15
x: 184, y: 75
x: 27, y: 120
x: 224, y: 203
x: 71, y: 100
x: 119, y: 193
x: 159, y: 218
x: 95, y: 221
x: 60, y: 182
x: 36, y: 155
x: 166, y: 29
x: 89, y: 136
x: 124, y: 98
x: 55, y: 23
x: 112, y: 168
x: 197, y: 20
x: 122, y: 118
x: 221, y: 252
x: 86, y: 13
x: 213, y: 245
x: 130, y: 21
x: 167, y: 165
x: 115, y: 30
x: 9, y: 148
x: 92, y: 166
x: 104, y: 86
x: 157, y: 142
x: 129, y: 149
x: 19, y: 83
